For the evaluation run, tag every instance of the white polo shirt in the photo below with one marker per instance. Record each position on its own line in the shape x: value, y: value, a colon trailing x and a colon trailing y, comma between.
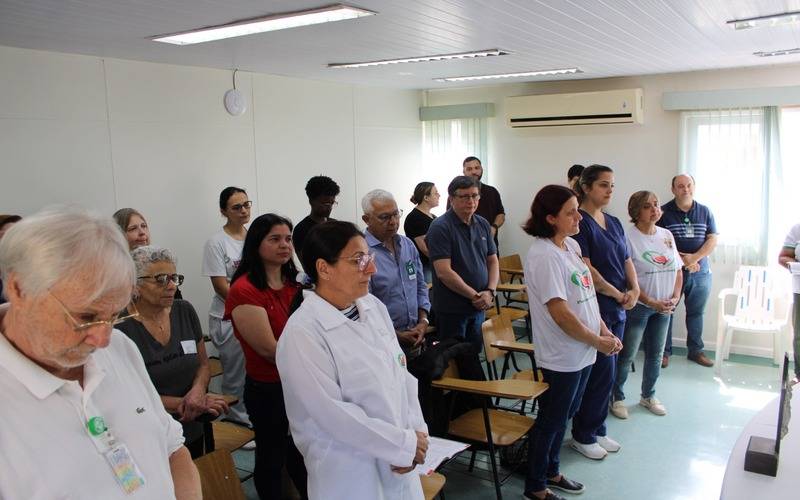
x: 47, y: 451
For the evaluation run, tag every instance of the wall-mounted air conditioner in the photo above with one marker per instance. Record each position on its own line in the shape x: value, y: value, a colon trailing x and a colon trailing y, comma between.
x: 585, y: 108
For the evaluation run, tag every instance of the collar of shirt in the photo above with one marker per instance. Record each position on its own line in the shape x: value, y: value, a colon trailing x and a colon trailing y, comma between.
x: 327, y: 315
x: 36, y: 379
x: 672, y: 206
x: 450, y: 213
x: 372, y: 241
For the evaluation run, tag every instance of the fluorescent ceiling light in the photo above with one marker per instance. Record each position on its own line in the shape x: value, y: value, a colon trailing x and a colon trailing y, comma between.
x: 784, y: 52
x: 772, y: 20
x: 439, y: 57
x: 545, y: 72
x: 274, y: 22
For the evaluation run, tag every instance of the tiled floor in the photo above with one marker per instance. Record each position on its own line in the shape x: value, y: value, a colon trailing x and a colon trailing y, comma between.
x: 680, y: 456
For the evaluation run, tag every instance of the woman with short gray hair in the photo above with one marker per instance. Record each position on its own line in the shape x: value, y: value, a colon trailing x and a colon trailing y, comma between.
x: 170, y: 339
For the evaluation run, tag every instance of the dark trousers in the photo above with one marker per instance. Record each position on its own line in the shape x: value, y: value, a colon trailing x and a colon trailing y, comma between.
x: 274, y: 447
x: 466, y: 327
x: 556, y: 406
x: 590, y: 420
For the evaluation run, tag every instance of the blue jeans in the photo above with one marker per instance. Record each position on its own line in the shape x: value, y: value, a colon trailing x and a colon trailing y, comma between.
x: 696, y: 289
x: 462, y: 326
x: 590, y: 420
x: 556, y: 406
x: 642, y: 324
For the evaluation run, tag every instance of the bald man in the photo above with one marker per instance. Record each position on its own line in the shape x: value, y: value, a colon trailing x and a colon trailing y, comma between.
x: 695, y: 232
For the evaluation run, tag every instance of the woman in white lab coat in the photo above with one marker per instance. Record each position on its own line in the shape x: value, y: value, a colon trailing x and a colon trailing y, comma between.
x: 352, y: 405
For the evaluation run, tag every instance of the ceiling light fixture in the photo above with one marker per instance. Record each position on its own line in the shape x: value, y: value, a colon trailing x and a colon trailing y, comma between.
x: 439, y: 57
x: 784, y: 52
x: 545, y: 72
x: 274, y: 22
x: 771, y: 20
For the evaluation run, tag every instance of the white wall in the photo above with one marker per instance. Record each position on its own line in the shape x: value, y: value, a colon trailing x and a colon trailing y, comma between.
x: 644, y: 156
x: 107, y: 133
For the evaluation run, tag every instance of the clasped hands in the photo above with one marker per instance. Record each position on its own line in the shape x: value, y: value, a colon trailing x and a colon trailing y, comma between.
x: 419, y: 456
x: 607, y: 342
x: 483, y: 300
x: 413, y: 336
x: 198, y: 402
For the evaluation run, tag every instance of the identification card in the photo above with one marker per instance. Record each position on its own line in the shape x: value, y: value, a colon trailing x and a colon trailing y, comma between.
x: 411, y: 270
x: 189, y: 346
x: 125, y: 469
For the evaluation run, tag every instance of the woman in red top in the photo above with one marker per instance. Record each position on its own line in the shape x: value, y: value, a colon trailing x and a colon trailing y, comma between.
x: 262, y: 289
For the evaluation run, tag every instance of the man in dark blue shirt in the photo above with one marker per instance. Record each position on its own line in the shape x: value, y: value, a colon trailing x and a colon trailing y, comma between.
x: 466, y: 268
x: 695, y: 232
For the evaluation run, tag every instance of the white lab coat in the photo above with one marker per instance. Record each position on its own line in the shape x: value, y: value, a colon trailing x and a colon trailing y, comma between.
x: 351, y: 403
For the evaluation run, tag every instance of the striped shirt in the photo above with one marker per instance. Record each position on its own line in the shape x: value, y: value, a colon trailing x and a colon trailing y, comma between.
x: 351, y: 312
x: 690, y: 229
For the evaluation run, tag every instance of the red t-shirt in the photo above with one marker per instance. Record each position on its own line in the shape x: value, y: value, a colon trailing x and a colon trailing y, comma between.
x: 276, y: 303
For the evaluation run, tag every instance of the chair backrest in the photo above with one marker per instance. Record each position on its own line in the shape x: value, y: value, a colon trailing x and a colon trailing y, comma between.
x: 510, y: 262
x: 494, y: 329
x: 218, y: 477
x: 756, y: 294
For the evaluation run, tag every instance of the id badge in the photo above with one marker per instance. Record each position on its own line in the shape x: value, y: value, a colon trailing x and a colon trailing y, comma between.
x: 125, y: 469
x: 411, y: 270
x: 189, y: 346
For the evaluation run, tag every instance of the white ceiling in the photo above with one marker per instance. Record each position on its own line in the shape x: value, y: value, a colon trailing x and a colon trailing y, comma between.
x: 602, y: 37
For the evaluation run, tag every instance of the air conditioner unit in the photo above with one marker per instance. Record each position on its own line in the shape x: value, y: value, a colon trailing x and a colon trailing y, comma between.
x: 584, y: 108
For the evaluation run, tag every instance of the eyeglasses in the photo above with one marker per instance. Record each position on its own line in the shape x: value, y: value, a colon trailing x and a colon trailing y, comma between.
x: 240, y: 206
x: 164, y: 279
x: 384, y: 218
x: 362, y: 261
x: 465, y: 197
x: 79, y: 327
x: 328, y: 203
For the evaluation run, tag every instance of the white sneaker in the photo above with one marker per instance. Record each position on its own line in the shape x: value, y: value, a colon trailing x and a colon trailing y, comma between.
x: 619, y: 410
x: 250, y: 445
x: 608, y: 444
x: 654, y: 406
x: 593, y: 451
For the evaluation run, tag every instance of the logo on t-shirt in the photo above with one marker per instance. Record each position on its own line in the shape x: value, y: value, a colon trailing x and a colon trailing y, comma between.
x: 656, y: 258
x: 582, y: 279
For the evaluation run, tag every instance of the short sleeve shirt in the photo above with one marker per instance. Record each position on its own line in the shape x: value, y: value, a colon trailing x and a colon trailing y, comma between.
x: 467, y: 247
x: 607, y: 249
x: 276, y: 303
x: 560, y: 273
x: 221, y: 257
x: 417, y: 224
x: 656, y: 260
x: 690, y: 229
x: 490, y: 205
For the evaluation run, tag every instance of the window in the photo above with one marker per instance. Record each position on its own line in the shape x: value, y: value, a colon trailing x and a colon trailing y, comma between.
x: 734, y: 156
x: 446, y: 143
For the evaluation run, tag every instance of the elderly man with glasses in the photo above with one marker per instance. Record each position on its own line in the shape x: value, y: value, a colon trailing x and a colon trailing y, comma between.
x: 466, y: 269
x: 399, y: 281
x: 80, y: 413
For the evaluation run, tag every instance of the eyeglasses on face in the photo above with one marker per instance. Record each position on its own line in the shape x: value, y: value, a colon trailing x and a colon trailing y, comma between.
x: 164, y: 279
x: 239, y: 206
x: 79, y: 326
x: 362, y: 261
x: 384, y: 218
x: 465, y: 197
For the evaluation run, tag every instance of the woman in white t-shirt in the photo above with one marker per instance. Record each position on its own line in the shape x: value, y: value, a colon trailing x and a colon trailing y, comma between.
x: 567, y: 332
x: 658, y: 265
x: 788, y: 256
x: 221, y: 257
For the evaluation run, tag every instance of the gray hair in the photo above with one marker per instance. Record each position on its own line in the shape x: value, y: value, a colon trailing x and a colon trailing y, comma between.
x: 146, y: 255
x: 373, y: 196
x: 58, y: 244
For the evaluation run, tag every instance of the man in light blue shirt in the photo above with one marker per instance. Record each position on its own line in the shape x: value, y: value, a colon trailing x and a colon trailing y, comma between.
x: 399, y: 282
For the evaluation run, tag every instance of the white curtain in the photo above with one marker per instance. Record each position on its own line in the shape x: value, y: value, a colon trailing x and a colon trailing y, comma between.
x: 734, y: 156
x: 446, y: 143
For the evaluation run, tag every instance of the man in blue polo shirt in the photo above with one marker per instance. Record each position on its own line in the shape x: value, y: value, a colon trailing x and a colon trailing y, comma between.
x: 399, y: 282
x: 466, y: 269
x: 695, y: 232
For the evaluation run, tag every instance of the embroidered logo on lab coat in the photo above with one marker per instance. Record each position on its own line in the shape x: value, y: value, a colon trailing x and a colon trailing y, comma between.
x: 401, y: 359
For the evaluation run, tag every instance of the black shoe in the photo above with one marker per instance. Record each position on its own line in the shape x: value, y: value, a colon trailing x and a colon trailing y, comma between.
x: 566, y: 485
x: 548, y: 496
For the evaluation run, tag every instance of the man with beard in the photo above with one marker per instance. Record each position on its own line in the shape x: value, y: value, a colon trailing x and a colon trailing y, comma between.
x: 490, y: 206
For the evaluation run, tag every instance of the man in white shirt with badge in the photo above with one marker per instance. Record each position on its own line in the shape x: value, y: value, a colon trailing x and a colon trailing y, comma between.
x: 81, y: 418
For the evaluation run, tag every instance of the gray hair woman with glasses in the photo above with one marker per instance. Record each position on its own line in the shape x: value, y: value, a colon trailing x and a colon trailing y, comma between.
x: 352, y: 405
x: 168, y: 335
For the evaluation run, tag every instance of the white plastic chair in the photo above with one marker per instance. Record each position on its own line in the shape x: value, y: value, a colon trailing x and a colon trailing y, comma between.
x: 761, y: 307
